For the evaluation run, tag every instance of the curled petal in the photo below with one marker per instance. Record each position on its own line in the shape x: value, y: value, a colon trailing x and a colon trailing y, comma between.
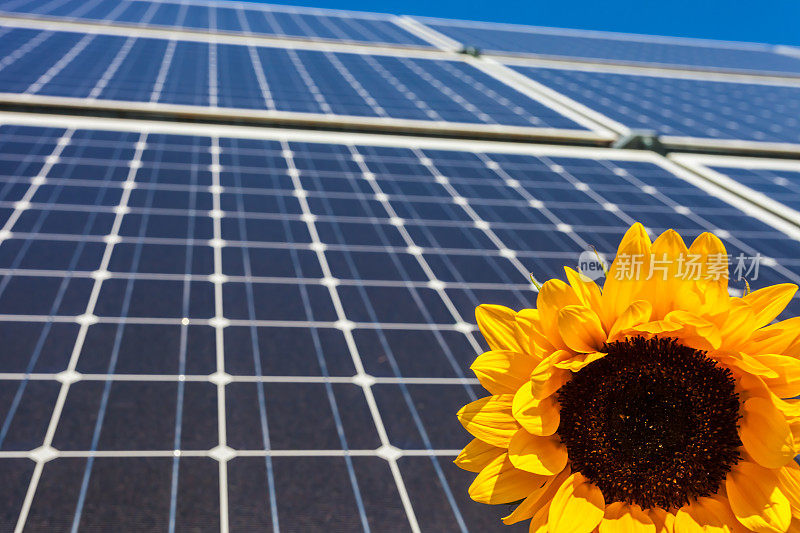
x: 574, y: 364
x: 476, y: 455
x: 547, y: 378
x: 636, y: 314
x: 490, y: 419
x: 498, y: 325
x: 789, y: 482
x: 539, y: 455
x: 577, y: 507
x: 503, y: 371
x: 500, y: 482
x: 766, y: 434
x: 539, y: 417
x: 581, y: 329
x: 744, y: 363
x: 756, y: 499
x: 586, y: 290
x: 554, y: 296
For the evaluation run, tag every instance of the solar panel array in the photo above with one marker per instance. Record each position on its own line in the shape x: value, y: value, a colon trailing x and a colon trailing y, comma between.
x: 684, y: 106
x: 219, y: 327
x: 191, y: 73
x: 597, y: 46
x: 224, y: 17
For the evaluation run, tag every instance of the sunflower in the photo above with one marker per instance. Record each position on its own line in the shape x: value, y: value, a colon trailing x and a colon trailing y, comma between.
x: 655, y: 405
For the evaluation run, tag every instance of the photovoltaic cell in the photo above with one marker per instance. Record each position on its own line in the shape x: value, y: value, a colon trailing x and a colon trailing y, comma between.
x: 690, y: 107
x: 276, y: 333
x: 249, y: 19
x: 116, y: 68
x: 617, y: 48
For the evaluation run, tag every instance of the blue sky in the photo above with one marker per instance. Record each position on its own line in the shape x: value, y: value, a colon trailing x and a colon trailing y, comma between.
x: 768, y: 21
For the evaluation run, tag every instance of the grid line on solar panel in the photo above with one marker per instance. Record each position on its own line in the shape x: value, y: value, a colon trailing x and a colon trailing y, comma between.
x: 230, y: 18
x: 64, y: 68
x: 772, y: 183
x: 621, y: 48
x: 281, y: 243
x: 688, y: 107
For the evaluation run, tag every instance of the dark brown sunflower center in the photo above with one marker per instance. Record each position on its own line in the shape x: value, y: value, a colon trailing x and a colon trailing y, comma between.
x: 653, y: 423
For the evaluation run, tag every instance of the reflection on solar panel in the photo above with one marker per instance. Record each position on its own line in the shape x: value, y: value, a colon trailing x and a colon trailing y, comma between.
x: 687, y: 107
x: 232, y: 328
x: 617, y: 48
x: 213, y: 326
x: 228, y: 17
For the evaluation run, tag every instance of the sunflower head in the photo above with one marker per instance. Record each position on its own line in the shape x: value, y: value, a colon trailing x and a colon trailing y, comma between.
x: 657, y: 404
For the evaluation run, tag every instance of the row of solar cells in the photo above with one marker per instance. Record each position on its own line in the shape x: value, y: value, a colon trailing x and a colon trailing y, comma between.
x: 217, y: 18
x: 174, y: 72
x: 380, y: 29
x: 178, y: 72
x: 566, y: 44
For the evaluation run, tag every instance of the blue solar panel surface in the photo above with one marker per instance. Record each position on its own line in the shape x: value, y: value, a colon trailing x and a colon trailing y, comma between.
x: 757, y: 58
x: 276, y: 334
x: 683, y: 106
x: 120, y: 68
x: 235, y: 18
x: 781, y: 185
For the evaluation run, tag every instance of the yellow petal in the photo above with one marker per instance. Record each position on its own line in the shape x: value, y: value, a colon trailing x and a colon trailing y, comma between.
x: 695, y: 331
x: 636, y: 314
x: 476, y: 455
x: 769, y: 302
x: 712, y: 285
x: 620, y: 288
x: 744, y: 363
x: 498, y: 325
x: 547, y: 378
x: 580, y: 329
x: 756, y: 498
x: 777, y: 338
x: 539, y: 521
x: 663, y: 520
x: 536, y: 454
x: 500, y: 482
x: 707, y: 515
x: 577, y: 507
x: 490, y: 419
x: 574, y: 364
x: 503, y: 371
x: 586, y: 290
x: 537, y: 500
x: 621, y: 517
x: 765, y: 433
x: 787, y: 384
x: 663, y: 287
x: 789, y: 483
x: 530, y: 336
x: 738, y: 325
x: 539, y: 417
x: 554, y: 296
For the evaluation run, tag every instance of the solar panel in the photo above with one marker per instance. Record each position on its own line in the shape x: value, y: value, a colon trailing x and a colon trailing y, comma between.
x: 763, y: 111
x: 124, y: 69
x: 773, y: 183
x: 619, y: 48
x: 249, y: 328
x: 226, y: 17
